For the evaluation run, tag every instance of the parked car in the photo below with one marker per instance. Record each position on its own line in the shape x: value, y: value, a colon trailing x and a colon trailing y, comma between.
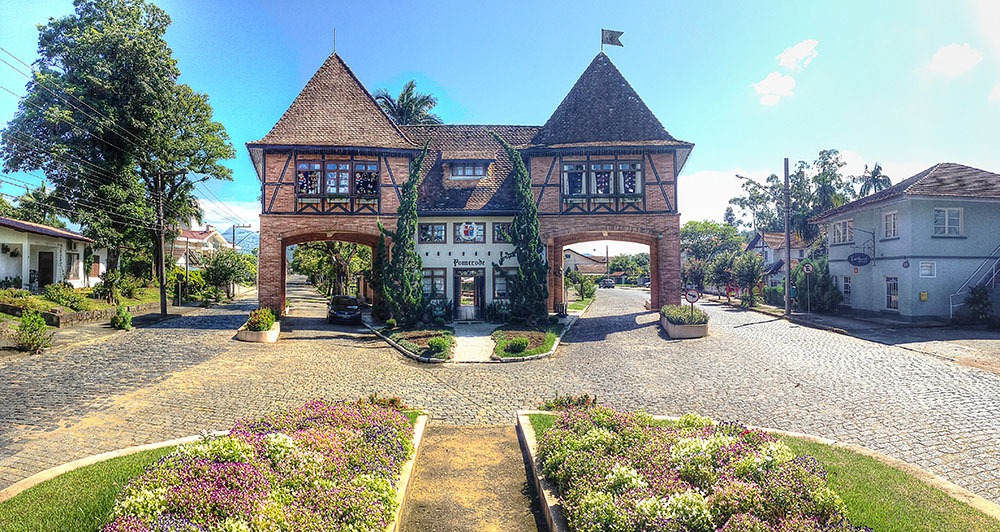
x: 645, y: 284
x: 607, y: 283
x: 344, y: 308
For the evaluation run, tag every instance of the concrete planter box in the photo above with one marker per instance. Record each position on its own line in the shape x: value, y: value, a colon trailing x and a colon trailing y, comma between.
x: 683, y: 331
x: 267, y: 337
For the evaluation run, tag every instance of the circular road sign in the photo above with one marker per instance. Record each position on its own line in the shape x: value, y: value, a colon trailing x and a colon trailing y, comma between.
x: 807, y: 267
x: 691, y: 296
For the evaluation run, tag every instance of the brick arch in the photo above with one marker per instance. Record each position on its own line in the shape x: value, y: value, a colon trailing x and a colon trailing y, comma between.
x: 277, y: 232
x: 661, y: 235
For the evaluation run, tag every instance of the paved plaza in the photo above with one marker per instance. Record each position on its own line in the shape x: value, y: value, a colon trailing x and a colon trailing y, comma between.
x: 187, y: 375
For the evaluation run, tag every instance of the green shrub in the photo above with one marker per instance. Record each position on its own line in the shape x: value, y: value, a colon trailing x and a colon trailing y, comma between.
x: 586, y: 288
x: 11, y: 282
x: 683, y: 315
x: 393, y: 402
x: 774, y: 296
x: 260, y: 320
x: 822, y: 295
x: 109, y: 287
x: 438, y: 344
x: 31, y: 333
x: 390, y: 323
x: 439, y: 321
x: 132, y: 287
x: 63, y: 294
x: 517, y: 345
x: 565, y: 402
x: 122, y: 320
x: 979, y: 304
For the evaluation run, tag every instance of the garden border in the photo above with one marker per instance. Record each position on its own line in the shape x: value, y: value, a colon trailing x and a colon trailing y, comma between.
x: 406, y: 352
x: 550, y: 352
x: 406, y: 472
x: 548, y: 494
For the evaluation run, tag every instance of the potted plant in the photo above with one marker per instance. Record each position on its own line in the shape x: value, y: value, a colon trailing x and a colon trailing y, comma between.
x: 261, y: 326
x: 683, y: 321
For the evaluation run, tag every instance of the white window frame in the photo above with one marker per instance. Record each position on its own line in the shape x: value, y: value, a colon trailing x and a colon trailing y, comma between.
x: 842, y: 232
x: 947, y: 227
x: 933, y: 269
x: 892, y: 299
x: 891, y: 231
x: 846, y: 289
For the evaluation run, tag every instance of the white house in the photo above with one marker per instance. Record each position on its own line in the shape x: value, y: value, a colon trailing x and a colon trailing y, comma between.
x: 913, y: 250
x: 192, y: 244
x: 33, y: 255
x: 585, y: 264
x: 771, y: 247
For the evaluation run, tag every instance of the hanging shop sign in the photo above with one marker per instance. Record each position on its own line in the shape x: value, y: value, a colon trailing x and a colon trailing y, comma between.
x: 859, y: 259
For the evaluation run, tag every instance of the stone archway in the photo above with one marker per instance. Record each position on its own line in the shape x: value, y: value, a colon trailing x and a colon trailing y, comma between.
x: 664, y: 255
x: 277, y: 232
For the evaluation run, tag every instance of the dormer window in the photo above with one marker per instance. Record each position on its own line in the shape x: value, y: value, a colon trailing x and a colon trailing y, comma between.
x: 460, y: 170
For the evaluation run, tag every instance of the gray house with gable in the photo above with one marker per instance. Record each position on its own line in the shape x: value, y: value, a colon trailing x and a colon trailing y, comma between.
x: 929, y: 239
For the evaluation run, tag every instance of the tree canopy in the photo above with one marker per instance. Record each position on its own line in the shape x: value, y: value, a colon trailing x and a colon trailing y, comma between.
x: 706, y: 239
x: 410, y: 107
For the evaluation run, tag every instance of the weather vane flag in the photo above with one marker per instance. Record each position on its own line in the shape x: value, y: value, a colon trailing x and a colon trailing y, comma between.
x: 610, y: 37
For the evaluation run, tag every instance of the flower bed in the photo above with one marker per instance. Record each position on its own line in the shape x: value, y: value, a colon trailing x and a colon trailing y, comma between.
x: 323, y: 466
x: 429, y: 343
x: 540, y: 340
x: 628, y: 472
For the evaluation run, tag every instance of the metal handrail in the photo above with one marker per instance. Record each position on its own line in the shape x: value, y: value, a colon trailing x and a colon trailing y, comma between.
x: 988, y: 277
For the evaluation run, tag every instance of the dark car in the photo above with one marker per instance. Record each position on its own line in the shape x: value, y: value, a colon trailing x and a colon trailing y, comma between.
x: 344, y: 308
x: 607, y: 283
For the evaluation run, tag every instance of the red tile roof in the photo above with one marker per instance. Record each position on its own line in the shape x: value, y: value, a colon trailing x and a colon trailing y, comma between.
x: 602, y: 109
x: 41, y: 229
x: 191, y: 234
x: 335, y: 109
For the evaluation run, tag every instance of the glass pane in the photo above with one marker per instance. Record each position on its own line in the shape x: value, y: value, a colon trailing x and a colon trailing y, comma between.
x: 458, y: 170
x: 314, y: 166
x: 630, y: 182
x: 479, y: 169
x: 344, y: 166
x: 366, y: 183
x: 575, y: 183
x: 308, y: 182
x: 602, y: 182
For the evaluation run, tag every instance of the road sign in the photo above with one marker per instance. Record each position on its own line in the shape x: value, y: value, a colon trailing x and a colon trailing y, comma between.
x: 807, y: 267
x: 691, y: 296
x: 859, y: 259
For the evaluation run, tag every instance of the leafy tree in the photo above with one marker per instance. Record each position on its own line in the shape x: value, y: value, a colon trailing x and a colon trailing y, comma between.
x: 729, y: 218
x: 529, y: 285
x: 38, y: 206
x: 403, y: 278
x: 872, y: 181
x: 331, y: 265
x: 748, y: 269
x: 694, y: 272
x: 410, y: 107
x: 706, y: 239
x: 720, y: 271
x: 822, y: 295
x: 104, y: 113
x: 225, y: 267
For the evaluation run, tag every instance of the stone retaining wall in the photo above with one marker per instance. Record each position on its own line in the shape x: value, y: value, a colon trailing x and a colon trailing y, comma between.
x: 69, y: 319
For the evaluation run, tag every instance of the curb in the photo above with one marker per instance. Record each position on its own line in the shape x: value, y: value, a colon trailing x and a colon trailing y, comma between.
x: 32, y: 481
x: 553, y: 508
x: 406, y: 473
x: 790, y: 319
x: 569, y: 325
x: 406, y: 352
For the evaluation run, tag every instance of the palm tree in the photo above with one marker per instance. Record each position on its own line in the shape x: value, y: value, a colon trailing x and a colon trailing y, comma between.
x: 873, y: 181
x: 410, y: 108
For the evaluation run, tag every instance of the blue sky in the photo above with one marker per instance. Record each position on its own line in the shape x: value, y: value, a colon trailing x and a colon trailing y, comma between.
x: 907, y: 84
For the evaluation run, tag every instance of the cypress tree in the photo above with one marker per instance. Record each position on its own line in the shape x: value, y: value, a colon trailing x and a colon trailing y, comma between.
x: 404, y: 272
x: 376, y: 277
x: 528, y: 288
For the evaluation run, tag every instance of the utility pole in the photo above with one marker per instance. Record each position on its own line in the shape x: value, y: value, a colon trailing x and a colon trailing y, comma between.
x: 788, y: 249
x: 161, y: 262
x: 235, y: 227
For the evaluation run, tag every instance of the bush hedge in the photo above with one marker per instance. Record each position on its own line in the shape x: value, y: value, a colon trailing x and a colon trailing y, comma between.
x: 260, y: 320
x: 683, y: 315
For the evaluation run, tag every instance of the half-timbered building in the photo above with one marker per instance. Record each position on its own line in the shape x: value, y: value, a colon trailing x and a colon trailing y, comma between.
x: 602, y: 168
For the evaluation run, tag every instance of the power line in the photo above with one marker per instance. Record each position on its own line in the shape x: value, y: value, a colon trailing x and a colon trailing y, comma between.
x: 234, y: 218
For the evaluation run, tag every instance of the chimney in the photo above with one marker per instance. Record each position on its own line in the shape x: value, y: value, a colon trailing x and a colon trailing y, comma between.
x: 209, y: 228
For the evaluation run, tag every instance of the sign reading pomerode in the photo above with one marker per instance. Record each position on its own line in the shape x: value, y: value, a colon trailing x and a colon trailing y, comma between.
x: 467, y: 263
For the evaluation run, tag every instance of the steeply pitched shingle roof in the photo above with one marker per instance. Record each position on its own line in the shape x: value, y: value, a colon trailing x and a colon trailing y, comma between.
x: 494, y: 192
x: 602, y: 109
x: 942, y: 179
x: 335, y: 109
x: 40, y: 229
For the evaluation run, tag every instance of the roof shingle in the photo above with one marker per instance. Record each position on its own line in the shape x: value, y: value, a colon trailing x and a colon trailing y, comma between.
x: 41, y: 229
x: 942, y: 179
x: 335, y: 109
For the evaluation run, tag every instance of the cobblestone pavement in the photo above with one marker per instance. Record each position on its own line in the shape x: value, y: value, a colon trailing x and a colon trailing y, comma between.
x: 187, y: 375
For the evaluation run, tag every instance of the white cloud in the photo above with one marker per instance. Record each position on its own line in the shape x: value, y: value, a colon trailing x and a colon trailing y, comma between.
x: 799, y: 56
x: 247, y: 212
x: 955, y: 59
x: 704, y: 195
x: 854, y: 163
x: 988, y: 15
x: 995, y: 93
x: 773, y: 87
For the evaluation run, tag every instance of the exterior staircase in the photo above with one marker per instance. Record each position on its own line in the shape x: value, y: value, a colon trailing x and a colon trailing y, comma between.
x: 986, y: 274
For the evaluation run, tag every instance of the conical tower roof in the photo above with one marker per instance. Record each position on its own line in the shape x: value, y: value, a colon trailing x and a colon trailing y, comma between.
x: 602, y: 109
x: 335, y: 109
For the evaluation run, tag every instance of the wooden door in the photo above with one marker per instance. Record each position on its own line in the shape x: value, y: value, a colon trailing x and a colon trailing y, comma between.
x: 46, y: 267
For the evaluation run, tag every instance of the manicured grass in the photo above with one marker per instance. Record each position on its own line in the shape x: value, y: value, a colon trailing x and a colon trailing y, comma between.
x: 889, y: 500
x: 540, y: 340
x: 581, y: 304
x: 877, y: 495
x: 78, y: 501
x: 39, y: 303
